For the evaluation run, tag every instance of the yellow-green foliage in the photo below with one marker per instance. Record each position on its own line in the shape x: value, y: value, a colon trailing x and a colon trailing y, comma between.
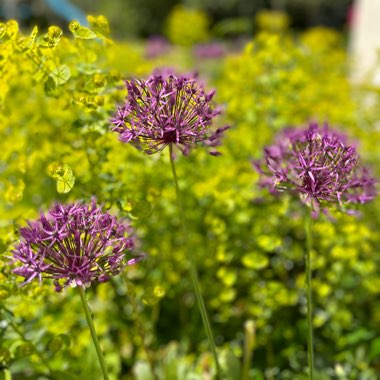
x: 58, y: 94
x: 278, y: 81
x: 56, y: 91
x: 272, y: 21
x: 187, y: 26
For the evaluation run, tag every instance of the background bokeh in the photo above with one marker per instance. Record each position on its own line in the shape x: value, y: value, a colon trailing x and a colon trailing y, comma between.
x: 143, y: 18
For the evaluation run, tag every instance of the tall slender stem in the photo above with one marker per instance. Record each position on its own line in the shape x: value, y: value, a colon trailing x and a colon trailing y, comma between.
x: 193, y: 271
x: 249, y: 344
x: 93, y: 332
x: 309, y: 242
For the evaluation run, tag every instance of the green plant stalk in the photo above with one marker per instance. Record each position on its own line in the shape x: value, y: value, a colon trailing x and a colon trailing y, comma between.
x: 193, y: 271
x: 249, y: 344
x: 93, y: 332
x: 309, y: 242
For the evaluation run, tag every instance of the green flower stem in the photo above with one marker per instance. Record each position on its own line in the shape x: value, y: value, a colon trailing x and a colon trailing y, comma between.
x: 309, y: 242
x: 249, y: 345
x: 93, y: 332
x: 193, y: 271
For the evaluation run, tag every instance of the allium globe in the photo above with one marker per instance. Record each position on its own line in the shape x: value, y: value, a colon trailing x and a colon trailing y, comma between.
x: 318, y: 164
x: 75, y: 245
x: 167, y: 111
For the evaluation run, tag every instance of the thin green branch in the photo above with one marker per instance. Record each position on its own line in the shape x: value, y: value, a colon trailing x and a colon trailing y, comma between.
x: 193, y: 271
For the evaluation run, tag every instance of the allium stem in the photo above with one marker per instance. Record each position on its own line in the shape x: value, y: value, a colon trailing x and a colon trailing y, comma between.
x: 249, y: 345
x: 93, y: 332
x: 309, y: 242
x: 193, y: 270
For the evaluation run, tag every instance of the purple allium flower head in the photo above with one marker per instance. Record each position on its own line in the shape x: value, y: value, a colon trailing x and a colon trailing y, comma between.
x: 319, y: 165
x: 74, y: 245
x: 162, y: 111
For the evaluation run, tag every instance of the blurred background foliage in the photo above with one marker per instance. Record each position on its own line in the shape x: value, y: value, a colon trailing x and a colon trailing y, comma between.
x: 144, y: 18
x: 58, y: 91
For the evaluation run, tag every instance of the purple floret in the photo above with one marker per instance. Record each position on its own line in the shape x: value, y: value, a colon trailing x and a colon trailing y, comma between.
x: 74, y: 245
x: 167, y: 111
x: 318, y: 164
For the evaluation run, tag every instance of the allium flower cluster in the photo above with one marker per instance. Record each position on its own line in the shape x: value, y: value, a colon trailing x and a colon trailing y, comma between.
x: 319, y: 165
x: 74, y: 245
x: 162, y: 111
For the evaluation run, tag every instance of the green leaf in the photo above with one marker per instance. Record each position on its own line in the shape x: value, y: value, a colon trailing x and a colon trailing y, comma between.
x: 5, y: 357
x: 359, y: 335
x: 64, y: 176
x: 80, y: 31
x: 26, y: 43
x: 374, y: 351
x: 87, y: 68
x: 58, y: 342
x: 55, y: 32
x: 99, y: 24
x: 233, y: 367
x: 89, y: 103
x: 43, y: 40
x: 51, y: 38
x: 50, y: 87
x: 141, y: 210
x: 24, y: 350
x: 135, y: 209
x: 12, y: 29
x: 255, y: 260
x: 96, y: 129
x: 5, y: 292
x: 233, y: 26
x: 3, y: 29
x: 34, y: 33
x: 61, y: 75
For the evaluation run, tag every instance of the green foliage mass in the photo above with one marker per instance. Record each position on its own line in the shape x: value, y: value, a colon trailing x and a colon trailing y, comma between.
x: 186, y: 26
x: 277, y: 81
x: 58, y: 94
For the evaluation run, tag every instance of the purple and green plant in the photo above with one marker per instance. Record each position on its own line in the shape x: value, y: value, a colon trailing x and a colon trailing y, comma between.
x: 174, y: 112
x: 75, y: 245
x: 322, y: 169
